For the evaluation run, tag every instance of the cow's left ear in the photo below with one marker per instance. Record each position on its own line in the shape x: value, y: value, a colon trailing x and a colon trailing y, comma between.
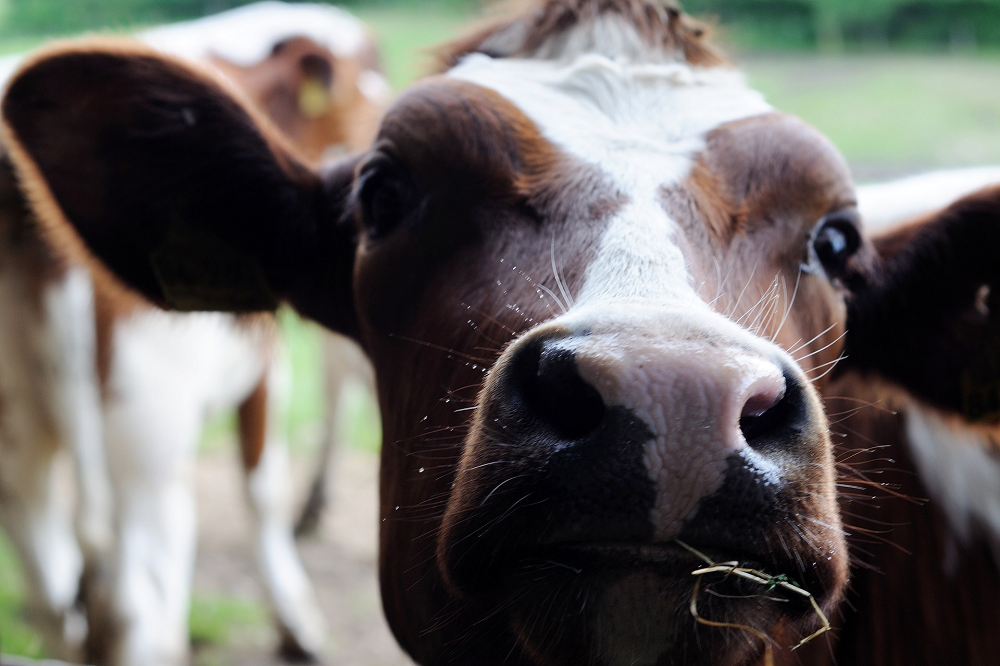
x: 926, y: 312
x: 174, y: 185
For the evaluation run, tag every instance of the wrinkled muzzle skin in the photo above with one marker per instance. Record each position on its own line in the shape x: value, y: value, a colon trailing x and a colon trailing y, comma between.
x: 571, y: 389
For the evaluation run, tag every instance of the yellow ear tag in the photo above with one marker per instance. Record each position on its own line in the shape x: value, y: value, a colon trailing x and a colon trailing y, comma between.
x: 314, y: 98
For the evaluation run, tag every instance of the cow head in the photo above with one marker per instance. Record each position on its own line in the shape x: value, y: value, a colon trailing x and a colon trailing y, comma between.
x: 316, y: 98
x: 602, y: 284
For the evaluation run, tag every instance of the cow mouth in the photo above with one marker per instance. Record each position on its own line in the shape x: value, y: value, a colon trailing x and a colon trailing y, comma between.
x: 591, y: 564
x: 680, y: 559
x: 605, y: 593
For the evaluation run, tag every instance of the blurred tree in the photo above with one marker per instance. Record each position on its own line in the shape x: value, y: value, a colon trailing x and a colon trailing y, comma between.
x: 753, y: 24
x: 69, y: 16
x: 54, y: 17
x: 832, y: 24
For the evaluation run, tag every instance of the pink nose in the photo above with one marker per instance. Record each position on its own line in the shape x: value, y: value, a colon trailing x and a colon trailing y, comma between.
x: 700, y: 403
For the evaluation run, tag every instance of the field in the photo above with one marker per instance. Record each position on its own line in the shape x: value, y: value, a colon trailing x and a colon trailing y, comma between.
x: 889, y: 115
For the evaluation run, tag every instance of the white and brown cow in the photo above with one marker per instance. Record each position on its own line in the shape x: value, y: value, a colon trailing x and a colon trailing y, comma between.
x: 605, y: 288
x: 158, y: 376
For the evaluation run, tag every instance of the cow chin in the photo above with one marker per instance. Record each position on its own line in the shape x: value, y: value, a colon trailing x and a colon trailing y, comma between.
x: 575, y: 585
x: 617, y: 604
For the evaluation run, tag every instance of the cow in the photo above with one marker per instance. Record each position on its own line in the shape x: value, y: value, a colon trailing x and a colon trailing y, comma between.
x: 616, y: 305
x: 131, y: 420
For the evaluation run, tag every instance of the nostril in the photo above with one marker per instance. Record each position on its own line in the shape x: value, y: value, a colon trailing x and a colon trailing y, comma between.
x: 556, y: 393
x: 770, y: 410
x: 761, y: 401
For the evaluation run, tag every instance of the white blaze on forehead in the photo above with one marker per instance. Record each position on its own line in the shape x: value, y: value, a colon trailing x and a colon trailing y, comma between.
x: 642, y: 124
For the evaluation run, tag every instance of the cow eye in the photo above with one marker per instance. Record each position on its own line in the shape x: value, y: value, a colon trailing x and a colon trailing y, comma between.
x: 388, y: 196
x: 834, y: 243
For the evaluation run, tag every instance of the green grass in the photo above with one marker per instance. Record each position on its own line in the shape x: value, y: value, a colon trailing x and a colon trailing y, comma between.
x: 360, y: 427
x: 217, y: 621
x: 15, y: 635
x: 407, y: 36
x: 892, y: 113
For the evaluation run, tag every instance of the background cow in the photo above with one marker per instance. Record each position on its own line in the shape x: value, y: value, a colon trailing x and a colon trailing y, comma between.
x: 161, y: 375
x: 604, y: 286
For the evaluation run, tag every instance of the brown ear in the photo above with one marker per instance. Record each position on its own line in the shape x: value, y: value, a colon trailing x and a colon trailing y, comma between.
x: 927, y: 316
x: 181, y: 191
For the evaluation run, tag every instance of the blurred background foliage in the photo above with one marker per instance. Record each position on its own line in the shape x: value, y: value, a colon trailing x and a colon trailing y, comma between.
x: 826, y: 25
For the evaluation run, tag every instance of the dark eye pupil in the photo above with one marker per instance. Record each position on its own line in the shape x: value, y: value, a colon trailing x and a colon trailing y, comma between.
x: 835, y: 243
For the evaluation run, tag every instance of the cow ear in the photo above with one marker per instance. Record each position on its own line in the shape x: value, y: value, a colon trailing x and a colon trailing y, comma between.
x: 180, y: 190
x: 926, y: 313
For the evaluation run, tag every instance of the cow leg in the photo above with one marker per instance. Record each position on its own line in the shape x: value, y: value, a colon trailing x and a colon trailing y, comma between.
x: 265, y: 458
x: 36, y: 513
x: 35, y: 482
x: 335, y: 376
x: 151, y: 439
x: 344, y: 367
x: 69, y: 304
x: 69, y: 307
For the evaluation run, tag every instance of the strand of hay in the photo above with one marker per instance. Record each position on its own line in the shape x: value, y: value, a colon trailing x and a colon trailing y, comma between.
x: 767, y: 581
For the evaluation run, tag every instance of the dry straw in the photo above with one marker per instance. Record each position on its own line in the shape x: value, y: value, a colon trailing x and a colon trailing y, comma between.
x: 767, y: 581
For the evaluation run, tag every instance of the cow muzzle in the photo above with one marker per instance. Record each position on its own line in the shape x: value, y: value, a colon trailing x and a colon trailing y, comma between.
x: 597, y: 446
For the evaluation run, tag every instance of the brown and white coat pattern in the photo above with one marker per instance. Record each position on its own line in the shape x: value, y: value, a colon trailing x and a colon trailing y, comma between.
x: 604, y: 288
x: 131, y: 420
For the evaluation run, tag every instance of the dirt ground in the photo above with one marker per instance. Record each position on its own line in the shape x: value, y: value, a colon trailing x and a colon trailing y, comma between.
x: 341, y: 559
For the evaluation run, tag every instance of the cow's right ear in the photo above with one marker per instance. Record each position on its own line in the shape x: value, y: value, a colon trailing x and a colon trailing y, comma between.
x: 925, y: 311
x: 180, y: 190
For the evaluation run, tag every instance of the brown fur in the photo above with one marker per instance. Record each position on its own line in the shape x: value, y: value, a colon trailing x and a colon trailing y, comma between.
x: 252, y: 417
x: 275, y: 86
x: 115, y: 298
x: 661, y: 25
x: 764, y: 182
x: 19, y: 239
x: 919, y: 595
x: 495, y: 153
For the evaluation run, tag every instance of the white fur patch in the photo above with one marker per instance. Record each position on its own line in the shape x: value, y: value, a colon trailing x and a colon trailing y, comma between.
x: 642, y: 120
x: 169, y: 372
x: 959, y: 470
x: 374, y: 86
x: 245, y: 35
x: 37, y: 372
x: 69, y: 305
x: 641, y: 124
x: 886, y: 204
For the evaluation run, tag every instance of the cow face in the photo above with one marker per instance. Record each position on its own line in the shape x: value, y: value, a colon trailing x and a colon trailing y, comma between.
x: 317, y: 99
x: 606, y: 385
x: 601, y: 283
